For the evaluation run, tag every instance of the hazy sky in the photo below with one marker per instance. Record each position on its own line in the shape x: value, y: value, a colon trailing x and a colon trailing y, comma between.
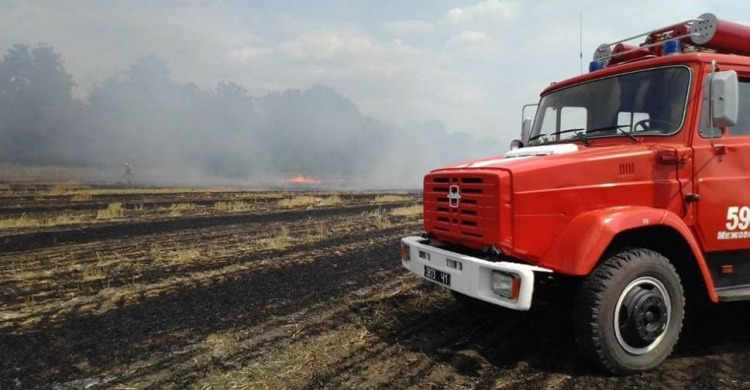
x: 470, y: 64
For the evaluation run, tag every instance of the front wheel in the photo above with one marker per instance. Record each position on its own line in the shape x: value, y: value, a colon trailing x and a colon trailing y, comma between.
x: 629, y: 311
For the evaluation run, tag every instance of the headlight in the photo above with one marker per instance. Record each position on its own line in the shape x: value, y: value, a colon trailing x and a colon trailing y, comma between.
x: 506, y: 285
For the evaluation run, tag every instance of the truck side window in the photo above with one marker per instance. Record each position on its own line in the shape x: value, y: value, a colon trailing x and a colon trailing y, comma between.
x: 742, y: 128
x: 743, y: 118
x: 570, y: 118
x: 549, y: 121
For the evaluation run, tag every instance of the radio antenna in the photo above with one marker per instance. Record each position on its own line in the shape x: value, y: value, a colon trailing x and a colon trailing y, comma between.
x: 580, y: 42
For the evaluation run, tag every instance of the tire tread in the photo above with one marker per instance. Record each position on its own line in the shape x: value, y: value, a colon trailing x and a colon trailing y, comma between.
x: 592, y: 293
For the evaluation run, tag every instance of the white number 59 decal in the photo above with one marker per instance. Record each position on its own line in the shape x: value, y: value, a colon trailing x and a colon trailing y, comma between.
x: 738, y: 217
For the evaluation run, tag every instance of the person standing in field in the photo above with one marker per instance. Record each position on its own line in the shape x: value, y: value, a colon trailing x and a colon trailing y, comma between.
x: 129, y: 174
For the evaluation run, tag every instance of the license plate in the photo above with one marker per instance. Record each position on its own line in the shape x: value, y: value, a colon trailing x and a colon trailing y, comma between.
x: 438, y: 276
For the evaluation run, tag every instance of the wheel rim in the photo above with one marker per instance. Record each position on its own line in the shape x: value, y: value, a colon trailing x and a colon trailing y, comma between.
x: 642, y: 315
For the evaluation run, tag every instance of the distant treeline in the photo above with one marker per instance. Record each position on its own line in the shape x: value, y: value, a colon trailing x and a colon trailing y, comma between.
x: 144, y: 117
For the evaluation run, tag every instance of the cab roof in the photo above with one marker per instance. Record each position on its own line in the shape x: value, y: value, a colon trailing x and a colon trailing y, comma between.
x: 654, y: 62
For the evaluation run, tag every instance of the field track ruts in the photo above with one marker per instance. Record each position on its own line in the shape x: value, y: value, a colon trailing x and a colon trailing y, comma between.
x: 157, y: 342
x: 67, y: 278
x: 93, y: 206
x: 38, y: 259
x: 10, y: 201
x: 121, y: 336
x: 332, y: 309
x: 19, y: 241
x: 26, y: 205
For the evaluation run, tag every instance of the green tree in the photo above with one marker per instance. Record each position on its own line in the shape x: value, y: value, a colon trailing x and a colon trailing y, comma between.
x: 36, y: 105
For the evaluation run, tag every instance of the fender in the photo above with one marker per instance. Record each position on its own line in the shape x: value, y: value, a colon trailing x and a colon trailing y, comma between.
x: 579, y: 247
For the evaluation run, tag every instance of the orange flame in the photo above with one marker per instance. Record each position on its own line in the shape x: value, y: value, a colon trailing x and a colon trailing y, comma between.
x: 300, y: 179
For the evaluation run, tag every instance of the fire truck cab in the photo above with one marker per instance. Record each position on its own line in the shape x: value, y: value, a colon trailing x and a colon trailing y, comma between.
x: 634, y: 181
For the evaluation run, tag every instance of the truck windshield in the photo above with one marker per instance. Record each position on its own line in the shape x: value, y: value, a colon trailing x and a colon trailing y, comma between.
x: 650, y: 102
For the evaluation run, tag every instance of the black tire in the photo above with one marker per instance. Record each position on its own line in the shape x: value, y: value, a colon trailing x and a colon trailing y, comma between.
x: 637, y: 288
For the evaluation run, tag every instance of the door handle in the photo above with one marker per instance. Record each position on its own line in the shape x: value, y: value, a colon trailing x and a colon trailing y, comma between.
x: 672, y: 156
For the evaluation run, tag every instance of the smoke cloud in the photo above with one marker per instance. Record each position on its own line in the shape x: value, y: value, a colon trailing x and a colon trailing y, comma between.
x: 178, y: 133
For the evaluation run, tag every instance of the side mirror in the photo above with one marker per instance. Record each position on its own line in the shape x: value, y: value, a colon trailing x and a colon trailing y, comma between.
x: 725, y: 99
x: 525, y: 131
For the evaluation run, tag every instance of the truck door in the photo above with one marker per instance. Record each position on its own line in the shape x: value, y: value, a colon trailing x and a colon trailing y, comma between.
x: 722, y: 180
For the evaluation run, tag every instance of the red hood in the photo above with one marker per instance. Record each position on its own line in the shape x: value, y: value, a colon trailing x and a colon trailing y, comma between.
x: 557, y: 155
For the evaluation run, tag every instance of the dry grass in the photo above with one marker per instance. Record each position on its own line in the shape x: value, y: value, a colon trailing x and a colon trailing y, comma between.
x: 61, y: 189
x: 309, y: 201
x: 408, y: 211
x: 267, y: 195
x: 151, y: 191
x: 23, y: 221
x: 94, y: 272
x: 176, y: 209
x: 4, y: 187
x: 298, y: 201
x: 220, y: 344
x: 295, y: 364
x: 391, y: 198
x: 316, y: 232
x: 113, y: 210
x: 81, y: 197
x: 382, y: 313
x: 379, y: 217
x: 183, y: 256
x: 49, y: 174
x: 100, y: 269
x: 183, y: 206
x: 234, y: 206
x: 73, y: 189
x: 280, y: 240
x: 175, y: 256
x: 332, y: 200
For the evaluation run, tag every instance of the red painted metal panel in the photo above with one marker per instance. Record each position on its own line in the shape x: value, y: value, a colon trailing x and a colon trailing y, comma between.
x: 472, y: 220
x: 730, y: 38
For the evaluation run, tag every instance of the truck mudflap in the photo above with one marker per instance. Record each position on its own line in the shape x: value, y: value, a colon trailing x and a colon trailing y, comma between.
x: 501, y: 283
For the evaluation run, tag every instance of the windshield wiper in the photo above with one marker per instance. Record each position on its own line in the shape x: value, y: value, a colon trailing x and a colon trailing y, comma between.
x: 581, y: 136
x: 618, y: 128
x: 556, y: 133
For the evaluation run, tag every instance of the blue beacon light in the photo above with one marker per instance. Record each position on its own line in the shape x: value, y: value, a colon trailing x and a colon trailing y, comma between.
x: 595, y: 65
x: 671, y: 47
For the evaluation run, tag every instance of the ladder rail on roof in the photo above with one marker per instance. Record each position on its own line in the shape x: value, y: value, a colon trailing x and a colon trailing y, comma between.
x: 644, y: 46
x: 659, y: 30
x: 605, y: 51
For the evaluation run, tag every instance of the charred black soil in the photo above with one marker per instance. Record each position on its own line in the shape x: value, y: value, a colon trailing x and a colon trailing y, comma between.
x: 304, y: 296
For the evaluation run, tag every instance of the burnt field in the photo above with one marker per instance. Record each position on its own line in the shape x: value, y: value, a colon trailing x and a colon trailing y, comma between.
x: 214, y: 289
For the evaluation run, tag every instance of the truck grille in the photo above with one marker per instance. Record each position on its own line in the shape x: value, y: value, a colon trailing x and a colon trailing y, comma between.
x: 472, y: 218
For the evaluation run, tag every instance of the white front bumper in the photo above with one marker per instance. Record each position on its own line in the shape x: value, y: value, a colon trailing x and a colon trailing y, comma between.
x: 473, y: 277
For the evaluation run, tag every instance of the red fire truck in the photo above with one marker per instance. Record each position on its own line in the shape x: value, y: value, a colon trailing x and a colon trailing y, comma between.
x: 633, y: 182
